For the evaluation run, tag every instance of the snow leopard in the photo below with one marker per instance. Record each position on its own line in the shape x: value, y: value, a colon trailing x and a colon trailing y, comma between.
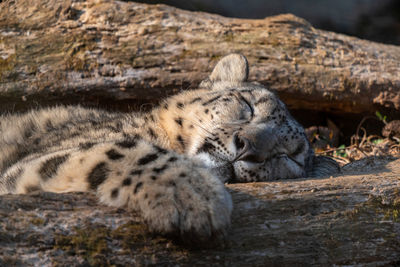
x: 170, y: 164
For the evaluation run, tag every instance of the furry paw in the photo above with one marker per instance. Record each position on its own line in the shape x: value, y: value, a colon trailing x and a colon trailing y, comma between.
x: 191, y: 204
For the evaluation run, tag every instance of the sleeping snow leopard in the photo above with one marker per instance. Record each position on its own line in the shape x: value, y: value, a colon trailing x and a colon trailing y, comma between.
x: 170, y: 164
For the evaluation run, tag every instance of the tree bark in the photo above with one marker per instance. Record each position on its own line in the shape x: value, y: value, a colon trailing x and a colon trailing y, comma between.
x: 351, y: 219
x: 116, y: 53
x: 119, y: 53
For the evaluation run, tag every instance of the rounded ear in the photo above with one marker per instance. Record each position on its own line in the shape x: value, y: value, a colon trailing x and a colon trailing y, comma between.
x: 233, y: 68
x: 323, y: 166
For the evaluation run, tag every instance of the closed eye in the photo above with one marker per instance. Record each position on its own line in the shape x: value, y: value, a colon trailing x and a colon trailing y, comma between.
x: 299, y: 150
x: 248, y: 105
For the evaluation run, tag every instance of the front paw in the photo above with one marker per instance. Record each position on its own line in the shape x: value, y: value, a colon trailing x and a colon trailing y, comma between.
x: 188, y: 203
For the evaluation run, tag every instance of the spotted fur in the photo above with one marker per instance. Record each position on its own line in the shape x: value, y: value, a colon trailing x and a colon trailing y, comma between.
x: 169, y: 163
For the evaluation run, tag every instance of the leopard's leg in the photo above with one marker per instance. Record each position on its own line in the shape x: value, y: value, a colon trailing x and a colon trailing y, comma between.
x: 172, y: 192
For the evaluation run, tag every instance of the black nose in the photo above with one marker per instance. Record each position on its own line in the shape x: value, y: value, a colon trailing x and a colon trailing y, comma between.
x: 245, y: 151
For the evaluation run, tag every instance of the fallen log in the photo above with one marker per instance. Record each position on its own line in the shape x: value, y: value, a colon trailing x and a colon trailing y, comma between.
x: 123, y: 53
x: 351, y: 219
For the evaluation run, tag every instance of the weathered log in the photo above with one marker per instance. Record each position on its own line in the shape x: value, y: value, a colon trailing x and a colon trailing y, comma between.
x: 56, y: 51
x: 352, y: 219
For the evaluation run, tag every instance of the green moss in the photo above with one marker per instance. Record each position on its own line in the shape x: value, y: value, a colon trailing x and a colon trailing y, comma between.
x: 7, y: 66
x: 71, y: 50
x: 89, y: 242
x: 378, y: 209
x: 393, y: 214
x: 131, y: 234
x: 228, y: 37
x: 45, y: 49
x: 75, y: 63
x: 92, y: 242
x: 37, y: 221
x: 75, y: 50
x: 215, y: 58
x: 30, y: 54
x: 135, y: 236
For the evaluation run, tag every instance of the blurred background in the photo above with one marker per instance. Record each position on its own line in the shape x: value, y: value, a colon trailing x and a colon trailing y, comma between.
x: 376, y: 20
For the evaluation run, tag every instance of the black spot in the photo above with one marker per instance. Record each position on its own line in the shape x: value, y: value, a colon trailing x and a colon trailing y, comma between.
x: 127, y: 143
x: 136, y: 172
x: 50, y: 166
x: 37, y: 141
x: 226, y: 99
x: 98, y: 175
x: 148, y: 158
x: 10, y: 180
x: 114, y: 155
x: 180, y: 140
x: 29, y: 130
x: 179, y: 121
x: 137, y: 187
x: 197, y: 99
x: 127, y: 182
x: 152, y: 133
x: 73, y: 134
x: 211, y: 100
x: 206, y: 147
x: 206, y: 111
x: 113, y: 128
x: 247, y: 91
x: 161, y: 169
x: 172, y: 183
x: 153, y: 177
x: 299, y: 149
x: 182, y: 174
x: 86, y: 146
x: 32, y: 188
x: 262, y: 100
x: 161, y: 150
x: 166, y: 106
x: 172, y: 159
x: 49, y: 125
x: 179, y: 105
x: 114, y: 193
x: 119, y: 125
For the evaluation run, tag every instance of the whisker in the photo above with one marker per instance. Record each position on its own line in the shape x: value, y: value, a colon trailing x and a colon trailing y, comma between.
x: 202, y: 126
